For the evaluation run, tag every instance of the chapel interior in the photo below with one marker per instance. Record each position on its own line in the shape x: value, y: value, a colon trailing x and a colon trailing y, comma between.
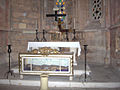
x: 94, y: 23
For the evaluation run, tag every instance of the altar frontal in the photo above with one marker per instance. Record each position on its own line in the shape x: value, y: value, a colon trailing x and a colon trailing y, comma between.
x: 52, y: 64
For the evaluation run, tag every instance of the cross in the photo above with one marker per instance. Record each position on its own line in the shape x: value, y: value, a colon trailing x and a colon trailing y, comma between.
x: 55, y: 15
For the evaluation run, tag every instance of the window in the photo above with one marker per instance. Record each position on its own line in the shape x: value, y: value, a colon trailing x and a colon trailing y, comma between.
x: 61, y: 5
x: 96, y: 9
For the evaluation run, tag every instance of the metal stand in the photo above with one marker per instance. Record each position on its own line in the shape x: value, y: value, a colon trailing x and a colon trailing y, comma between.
x: 9, y: 71
x: 85, y: 48
x: 36, y: 39
x: 43, y: 39
x: 74, y: 38
x: 85, y: 77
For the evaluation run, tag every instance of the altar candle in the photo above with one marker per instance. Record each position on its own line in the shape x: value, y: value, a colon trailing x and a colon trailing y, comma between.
x: 43, y: 24
x: 36, y: 24
x: 74, y: 23
x: 66, y: 24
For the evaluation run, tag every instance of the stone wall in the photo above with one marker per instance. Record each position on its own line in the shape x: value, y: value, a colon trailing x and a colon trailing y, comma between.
x: 81, y: 13
x: 4, y: 28
x: 25, y: 20
x: 94, y: 33
x: 96, y: 41
x: 115, y: 33
x: 3, y: 46
x: 113, y: 25
x: 26, y: 13
x: 4, y: 14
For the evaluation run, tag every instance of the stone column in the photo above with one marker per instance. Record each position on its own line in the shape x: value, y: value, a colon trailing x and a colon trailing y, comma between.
x: 107, y: 56
x: 44, y: 82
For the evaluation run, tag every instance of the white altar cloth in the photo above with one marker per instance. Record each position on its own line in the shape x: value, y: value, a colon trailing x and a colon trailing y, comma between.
x: 36, y: 45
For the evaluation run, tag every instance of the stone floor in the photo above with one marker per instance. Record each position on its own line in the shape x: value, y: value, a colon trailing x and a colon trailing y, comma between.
x: 100, y: 73
x: 13, y: 87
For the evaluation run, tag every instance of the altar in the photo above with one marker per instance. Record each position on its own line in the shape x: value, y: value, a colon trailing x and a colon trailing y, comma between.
x: 45, y: 59
x: 74, y: 47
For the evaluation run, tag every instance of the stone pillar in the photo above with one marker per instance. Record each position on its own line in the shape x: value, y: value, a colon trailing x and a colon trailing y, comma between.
x: 107, y: 56
x: 44, y: 82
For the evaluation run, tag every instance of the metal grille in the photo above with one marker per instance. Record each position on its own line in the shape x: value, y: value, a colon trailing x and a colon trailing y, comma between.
x: 97, y: 9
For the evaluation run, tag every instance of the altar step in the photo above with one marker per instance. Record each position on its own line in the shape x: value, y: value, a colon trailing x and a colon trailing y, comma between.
x: 62, y: 83
x: 76, y: 72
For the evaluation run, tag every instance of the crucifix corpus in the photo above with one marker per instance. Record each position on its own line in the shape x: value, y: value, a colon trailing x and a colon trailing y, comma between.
x: 55, y: 15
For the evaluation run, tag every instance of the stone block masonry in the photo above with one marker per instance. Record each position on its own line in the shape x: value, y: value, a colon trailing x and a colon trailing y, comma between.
x: 25, y: 14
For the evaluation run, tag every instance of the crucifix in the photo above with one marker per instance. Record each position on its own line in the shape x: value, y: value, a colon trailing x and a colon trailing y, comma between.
x: 55, y: 15
x: 60, y: 27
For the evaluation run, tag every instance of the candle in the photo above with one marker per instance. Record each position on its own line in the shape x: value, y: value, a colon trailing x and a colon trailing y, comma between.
x: 36, y: 24
x: 66, y: 24
x: 43, y: 24
x: 74, y: 23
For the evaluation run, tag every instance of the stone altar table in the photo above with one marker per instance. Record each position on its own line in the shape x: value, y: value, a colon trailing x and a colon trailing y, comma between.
x: 72, y: 45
